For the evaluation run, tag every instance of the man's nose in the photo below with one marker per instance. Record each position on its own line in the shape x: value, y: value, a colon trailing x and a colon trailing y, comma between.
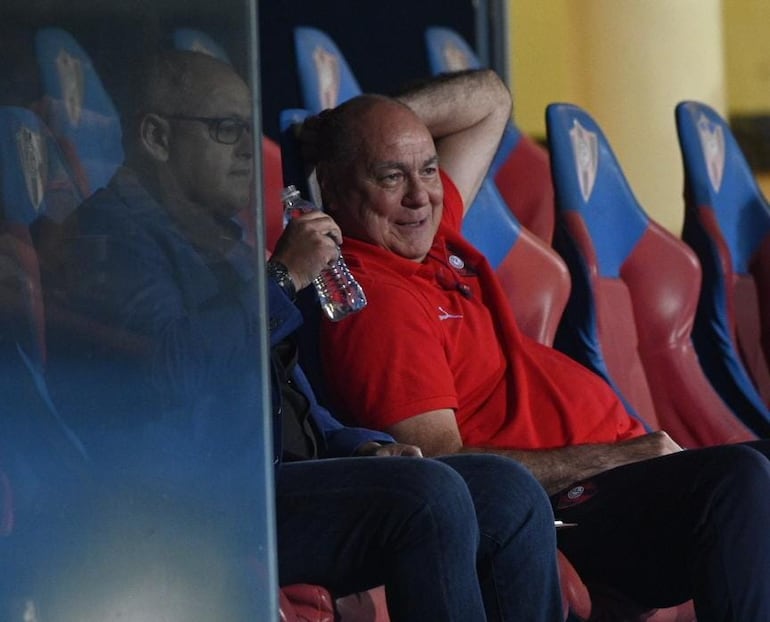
x: 416, y: 192
x: 245, y: 146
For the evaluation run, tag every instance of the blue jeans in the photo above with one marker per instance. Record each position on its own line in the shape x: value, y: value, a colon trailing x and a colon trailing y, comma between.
x: 462, y: 538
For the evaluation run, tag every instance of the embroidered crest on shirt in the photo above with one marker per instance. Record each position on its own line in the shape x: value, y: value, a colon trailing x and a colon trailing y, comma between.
x: 585, y: 148
x: 712, y: 141
x: 443, y: 314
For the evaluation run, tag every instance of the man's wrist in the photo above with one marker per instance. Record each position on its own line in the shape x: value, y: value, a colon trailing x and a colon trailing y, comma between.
x: 280, y: 274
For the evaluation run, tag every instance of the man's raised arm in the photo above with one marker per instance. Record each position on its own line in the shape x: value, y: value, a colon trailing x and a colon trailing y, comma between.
x: 466, y: 112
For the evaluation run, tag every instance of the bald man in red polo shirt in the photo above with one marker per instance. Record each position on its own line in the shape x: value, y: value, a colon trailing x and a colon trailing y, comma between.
x: 436, y: 359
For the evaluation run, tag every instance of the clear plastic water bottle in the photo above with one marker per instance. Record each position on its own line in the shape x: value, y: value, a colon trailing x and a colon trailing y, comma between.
x: 338, y: 291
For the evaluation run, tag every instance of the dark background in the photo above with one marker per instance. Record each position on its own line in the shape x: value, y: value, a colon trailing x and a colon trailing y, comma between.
x: 382, y: 41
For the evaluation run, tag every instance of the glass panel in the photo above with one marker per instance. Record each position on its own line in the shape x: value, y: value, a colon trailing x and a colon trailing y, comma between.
x: 136, y: 461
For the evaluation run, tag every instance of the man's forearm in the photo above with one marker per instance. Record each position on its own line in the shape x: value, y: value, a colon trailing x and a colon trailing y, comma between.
x: 556, y: 469
x: 453, y: 102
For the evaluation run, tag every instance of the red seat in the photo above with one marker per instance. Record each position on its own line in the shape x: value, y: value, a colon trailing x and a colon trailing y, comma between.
x: 305, y: 603
x: 636, y: 290
x: 523, y: 176
x: 635, y: 293
x: 534, y: 277
x: 727, y: 224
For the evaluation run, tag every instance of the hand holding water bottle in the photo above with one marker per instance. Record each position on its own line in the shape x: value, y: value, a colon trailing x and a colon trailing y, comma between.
x: 338, y: 292
x: 308, y: 244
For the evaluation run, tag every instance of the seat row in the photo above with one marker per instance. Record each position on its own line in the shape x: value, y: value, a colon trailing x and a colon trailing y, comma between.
x: 663, y: 319
x: 48, y: 168
x: 672, y: 324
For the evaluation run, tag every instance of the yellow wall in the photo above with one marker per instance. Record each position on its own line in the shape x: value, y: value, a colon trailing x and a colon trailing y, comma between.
x: 627, y: 62
x: 747, y: 55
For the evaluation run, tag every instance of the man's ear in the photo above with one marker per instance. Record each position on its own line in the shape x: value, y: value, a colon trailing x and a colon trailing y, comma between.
x: 155, y: 136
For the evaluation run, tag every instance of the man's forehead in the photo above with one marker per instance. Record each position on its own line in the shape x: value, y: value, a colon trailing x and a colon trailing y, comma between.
x: 400, y: 143
x: 223, y: 93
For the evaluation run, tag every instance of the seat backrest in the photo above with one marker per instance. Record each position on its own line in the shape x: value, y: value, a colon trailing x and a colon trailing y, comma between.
x: 449, y: 51
x: 324, y: 75
x: 635, y: 289
x: 78, y: 109
x: 36, y: 196
x: 520, y: 169
x: 534, y: 277
x: 38, y: 451
x: 727, y: 224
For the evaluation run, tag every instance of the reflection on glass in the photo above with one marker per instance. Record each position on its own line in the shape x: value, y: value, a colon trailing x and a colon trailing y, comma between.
x: 135, y: 467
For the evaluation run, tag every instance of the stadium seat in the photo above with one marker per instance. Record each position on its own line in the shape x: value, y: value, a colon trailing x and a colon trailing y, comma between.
x: 635, y: 290
x: 325, y: 78
x: 520, y: 168
x: 535, y: 279
x: 727, y: 224
x: 78, y: 109
x: 41, y: 460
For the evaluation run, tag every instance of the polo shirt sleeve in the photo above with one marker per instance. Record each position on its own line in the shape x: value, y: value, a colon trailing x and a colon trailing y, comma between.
x: 388, y: 362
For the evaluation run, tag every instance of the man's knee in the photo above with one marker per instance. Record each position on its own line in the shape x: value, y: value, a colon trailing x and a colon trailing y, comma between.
x: 506, y: 494
x: 742, y: 472
x: 429, y: 486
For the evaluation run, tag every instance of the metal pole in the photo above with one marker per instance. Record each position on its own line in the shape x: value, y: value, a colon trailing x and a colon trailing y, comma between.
x: 266, y: 599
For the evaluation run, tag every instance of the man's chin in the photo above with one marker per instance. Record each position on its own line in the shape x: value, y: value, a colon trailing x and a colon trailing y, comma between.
x: 413, y: 252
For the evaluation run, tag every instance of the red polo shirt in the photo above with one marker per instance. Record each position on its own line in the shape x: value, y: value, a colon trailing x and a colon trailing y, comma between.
x: 441, y: 334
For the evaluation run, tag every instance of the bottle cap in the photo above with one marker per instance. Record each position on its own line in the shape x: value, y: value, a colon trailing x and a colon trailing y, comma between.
x: 289, y: 191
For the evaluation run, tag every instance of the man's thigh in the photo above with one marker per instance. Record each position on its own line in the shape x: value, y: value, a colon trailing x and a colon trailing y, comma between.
x: 636, y: 524
x: 345, y: 518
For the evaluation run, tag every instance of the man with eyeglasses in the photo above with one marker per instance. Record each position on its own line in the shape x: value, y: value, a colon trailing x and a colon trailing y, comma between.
x: 160, y: 259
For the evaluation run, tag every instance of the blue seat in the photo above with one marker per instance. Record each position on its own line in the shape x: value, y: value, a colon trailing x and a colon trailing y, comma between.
x: 78, y: 109
x: 534, y: 277
x: 635, y: 290
x: 727, y: 224
x: 37, y: 196
x: 520, y: 169
x: 43, y: 464
x: 37, y: 199
x: 325, y: 77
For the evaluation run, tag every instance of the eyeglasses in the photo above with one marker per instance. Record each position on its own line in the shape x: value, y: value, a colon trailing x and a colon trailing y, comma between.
x: 225, y: 130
